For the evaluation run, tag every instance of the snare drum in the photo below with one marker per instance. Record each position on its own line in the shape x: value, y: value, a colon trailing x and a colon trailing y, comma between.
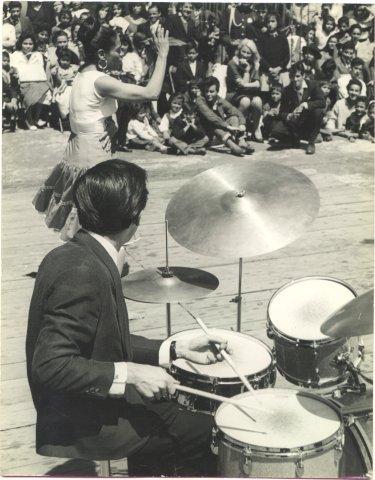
x: 304, y: 355
x: 252, y: 357
x: 296, y: 434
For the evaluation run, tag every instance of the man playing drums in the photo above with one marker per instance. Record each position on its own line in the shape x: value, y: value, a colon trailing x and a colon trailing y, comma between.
x: 98, y: 391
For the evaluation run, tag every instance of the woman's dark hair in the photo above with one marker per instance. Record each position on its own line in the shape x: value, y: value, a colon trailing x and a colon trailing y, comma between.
x: 110, y: 196
x: 95, y: 37
x: 348, y: 46
x: 120, y: 4
x: 275, y: 16
x: 12, y: 5
x: 342, y: 21
x: 65, y: 11
x: 64, y: 54
x: 58, y: 33
x: 326, y: 47
x: 356, y: 26
x: 24, y: 36
x: 354, y: 81
x: 177, y: 96
x: 42, y: 27
x: 296, y: 68
x: 328, y: 18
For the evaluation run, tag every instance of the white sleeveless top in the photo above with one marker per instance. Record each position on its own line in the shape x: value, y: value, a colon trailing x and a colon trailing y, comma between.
x: 88, y: 109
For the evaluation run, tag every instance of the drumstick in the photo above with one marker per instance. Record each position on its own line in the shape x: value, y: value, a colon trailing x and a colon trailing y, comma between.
x: 225, y: 355
x: 219, y: 398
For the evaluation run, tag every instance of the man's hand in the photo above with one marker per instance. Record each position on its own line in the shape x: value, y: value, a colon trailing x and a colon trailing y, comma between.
x: 232, y: 129
x: 151, y: 382
x: 202, y: 349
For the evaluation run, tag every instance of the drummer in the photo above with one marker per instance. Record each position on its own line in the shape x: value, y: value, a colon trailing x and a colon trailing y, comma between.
x: 98, y: 391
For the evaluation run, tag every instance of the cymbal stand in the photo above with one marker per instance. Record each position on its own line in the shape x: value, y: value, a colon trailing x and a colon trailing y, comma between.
x: 238, y: 298
x: 167, y: 273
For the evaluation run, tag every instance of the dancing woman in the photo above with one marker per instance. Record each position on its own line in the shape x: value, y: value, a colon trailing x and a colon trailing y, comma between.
x: 93, y: 101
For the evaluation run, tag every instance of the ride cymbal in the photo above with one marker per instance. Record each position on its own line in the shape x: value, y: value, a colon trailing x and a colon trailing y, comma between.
x: 355, y: 318
x: 155, y: 286
x: 242, y: 210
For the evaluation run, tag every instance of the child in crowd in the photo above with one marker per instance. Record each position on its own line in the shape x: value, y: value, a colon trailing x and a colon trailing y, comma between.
x: 221, y: 119
x: 190, y: 69
x: 355, y: 120
x: 63, y: 75
x: 175, y: 110
x: 342, y: 109
x: 326, y: 88
x: 344, y: 59
x: 65, y: 22
x: 141, y: 135
x: 10, y: 93
x: 356, y: 72
x: 367, y: 128
x: 271, y: 110
x: 187, y: 135
x: 60, y: 42
x: 343, y: 30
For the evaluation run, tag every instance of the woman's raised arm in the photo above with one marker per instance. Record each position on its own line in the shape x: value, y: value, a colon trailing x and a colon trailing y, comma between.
x: 110, y: 87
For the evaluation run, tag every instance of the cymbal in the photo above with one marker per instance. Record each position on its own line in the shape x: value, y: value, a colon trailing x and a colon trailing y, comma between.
x: 242, y: 210
x: 353, y: 319
x: 151, y: 286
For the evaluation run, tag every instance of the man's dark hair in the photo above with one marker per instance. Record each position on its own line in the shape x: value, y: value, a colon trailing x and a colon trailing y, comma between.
x: 110, y: 196
x: 361, y: 99
x: 58, y: 33
x: 356, y: 26
x: 210, y: 81
x: 343, y: 21
x: 296, y: 68
x: 354, y: 81
x: 356, y: 62
x: 12, y: 5
x: 348, y: 46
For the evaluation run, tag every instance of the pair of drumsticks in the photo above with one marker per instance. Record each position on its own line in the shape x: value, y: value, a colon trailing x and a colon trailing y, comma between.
x: 231, y: 363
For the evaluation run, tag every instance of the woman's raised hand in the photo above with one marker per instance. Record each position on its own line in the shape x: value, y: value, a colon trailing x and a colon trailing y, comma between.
x: 161, y: 39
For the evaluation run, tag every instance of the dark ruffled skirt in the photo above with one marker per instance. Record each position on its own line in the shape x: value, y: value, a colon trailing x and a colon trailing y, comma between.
x: 55, y: 200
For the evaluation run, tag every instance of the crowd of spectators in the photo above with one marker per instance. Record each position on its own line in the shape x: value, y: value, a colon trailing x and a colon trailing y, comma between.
x: 237, y: 73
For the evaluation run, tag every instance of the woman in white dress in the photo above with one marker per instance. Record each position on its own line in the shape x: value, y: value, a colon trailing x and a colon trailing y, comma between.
x: 93, y: 101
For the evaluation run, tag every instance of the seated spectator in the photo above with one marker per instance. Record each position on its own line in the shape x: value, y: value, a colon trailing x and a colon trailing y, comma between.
x: 136, y: 16
x: 271, y: 110
x: 193, y: 92
x: 63, y: 75
x: 10, y: 93
x: 344, y: 59
x: 301, y: 111
x: 42, y: 33
x: 141, y: 135
x: 356, y: 72
x: 309, y: 62
x: 343, y: 26
x: 325, y: 31
x: 355, y: 120
x: 221, y: 119
x: 343, y: 108
x: 65, y: 23
x: 363, y: 46
x: 326, y: 88
x: 175, y: 110
x: 329, y: 51
x: 367, y: 128
x: 362, y: 15
x: 60, y: 42
x: 21, y: 25
x: 310, y: 36
x: 33, y: 80
x: 187, y: 134
x: 243, y: 85
x: 190, y: 69
x: 150, y: 27
x: 9, y: 35
x: 274, y: 53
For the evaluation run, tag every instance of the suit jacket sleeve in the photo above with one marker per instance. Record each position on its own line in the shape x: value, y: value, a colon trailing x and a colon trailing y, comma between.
x: 209, y: 115
x: 61, y: 361
x: 145, y: 350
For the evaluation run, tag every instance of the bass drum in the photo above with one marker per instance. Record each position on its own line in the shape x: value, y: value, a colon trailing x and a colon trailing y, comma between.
x: 357, y: 455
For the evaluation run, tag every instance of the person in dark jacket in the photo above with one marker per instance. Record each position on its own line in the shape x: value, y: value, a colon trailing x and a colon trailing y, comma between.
x: 154, y: 22
x: 189, y: 70
x: 21, y: 24
x: 97, y: 389
x: 301, y: 111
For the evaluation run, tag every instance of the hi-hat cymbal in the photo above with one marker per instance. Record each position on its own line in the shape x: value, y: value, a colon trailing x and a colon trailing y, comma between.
x: 151, y: 286
x: 242, y: 210
x: 355, y: 318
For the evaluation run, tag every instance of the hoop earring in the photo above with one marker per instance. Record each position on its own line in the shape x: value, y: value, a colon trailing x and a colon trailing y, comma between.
x: 102, y: 64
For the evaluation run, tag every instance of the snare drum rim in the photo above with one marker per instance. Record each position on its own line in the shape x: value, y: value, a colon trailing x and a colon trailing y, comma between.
x: 208, y: 379
x: 324, y: 444
x: 290, y: 339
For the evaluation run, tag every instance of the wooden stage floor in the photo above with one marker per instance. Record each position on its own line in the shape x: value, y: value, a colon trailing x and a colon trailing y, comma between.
x: 339, y: 244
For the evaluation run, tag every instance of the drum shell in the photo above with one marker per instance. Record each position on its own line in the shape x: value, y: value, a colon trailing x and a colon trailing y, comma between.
x: 225, y: 387
x: 358, y: 448
x: 310, y: 364
x: 319, y: 464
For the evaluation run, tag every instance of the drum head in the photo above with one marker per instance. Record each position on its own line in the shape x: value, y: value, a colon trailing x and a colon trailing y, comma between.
x: 249, y: 354
x: 289, y: 419
x: 299, y: 309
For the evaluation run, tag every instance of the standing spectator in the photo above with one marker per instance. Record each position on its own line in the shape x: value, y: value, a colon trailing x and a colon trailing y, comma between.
x: 154, y: 22
x: 182, y: 27
x: 243, y: 85
x: 301, y: 111
x: 236, y: 25
x: 221, y: 119
x: 190, y: 69
x: 65, y: 23
x: 39, y: 14
x: 136, y: 16
x: 118, y: 20
x: 274, y: 53
x: 22, y: 25
x: 33, y: 80
x: 303, y: 14
x: 356, y: 72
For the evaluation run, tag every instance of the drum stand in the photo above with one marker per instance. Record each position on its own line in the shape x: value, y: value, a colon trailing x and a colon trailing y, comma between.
x: 167, y: 273
x: 238, y: 298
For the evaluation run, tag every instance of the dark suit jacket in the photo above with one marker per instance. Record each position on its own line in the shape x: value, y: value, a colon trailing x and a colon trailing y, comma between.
x: 313, y: 95
x: 145, y: 27
x: 184, y: 75
x: 78, y: 326
x: 176, y: 29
